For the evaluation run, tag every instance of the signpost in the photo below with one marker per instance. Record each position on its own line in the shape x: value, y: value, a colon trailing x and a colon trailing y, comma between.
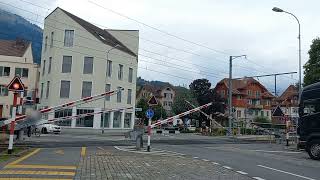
x: 16, y: 86
x: 149, y: 114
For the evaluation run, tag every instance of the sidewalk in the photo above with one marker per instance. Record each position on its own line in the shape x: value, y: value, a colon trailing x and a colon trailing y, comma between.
x: 110, y: 163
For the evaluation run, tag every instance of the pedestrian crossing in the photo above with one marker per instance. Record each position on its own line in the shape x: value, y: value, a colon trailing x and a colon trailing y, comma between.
x: 154, y: 151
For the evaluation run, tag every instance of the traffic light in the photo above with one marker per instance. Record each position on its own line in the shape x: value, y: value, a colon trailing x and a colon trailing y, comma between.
x: 16, y: 84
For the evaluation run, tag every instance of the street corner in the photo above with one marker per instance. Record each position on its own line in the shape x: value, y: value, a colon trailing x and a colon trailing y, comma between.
x: 123, y: 162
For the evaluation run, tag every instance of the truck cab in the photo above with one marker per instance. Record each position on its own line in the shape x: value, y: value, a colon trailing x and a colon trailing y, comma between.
x: 309, y: 120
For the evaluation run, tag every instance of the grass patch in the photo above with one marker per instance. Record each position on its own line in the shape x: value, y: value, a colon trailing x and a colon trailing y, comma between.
x: 4, y: 156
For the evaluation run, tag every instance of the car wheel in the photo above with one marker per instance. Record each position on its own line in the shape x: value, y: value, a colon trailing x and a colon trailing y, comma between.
x: 44, y: 131
x: 313, y: 149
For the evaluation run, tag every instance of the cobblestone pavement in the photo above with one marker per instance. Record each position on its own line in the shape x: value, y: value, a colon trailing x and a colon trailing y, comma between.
x: 110, y: 163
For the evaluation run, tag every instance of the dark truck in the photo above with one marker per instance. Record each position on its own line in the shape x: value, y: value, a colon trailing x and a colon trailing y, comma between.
x: 309, y: 121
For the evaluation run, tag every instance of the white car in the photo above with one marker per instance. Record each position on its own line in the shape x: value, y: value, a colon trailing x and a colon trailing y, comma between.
x: 49, y: 128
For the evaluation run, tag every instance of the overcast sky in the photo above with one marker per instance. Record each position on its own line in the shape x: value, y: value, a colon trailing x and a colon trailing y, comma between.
x: 232, y: 27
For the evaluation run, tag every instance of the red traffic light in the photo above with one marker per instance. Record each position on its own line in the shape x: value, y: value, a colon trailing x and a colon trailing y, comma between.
x: 16, y: 85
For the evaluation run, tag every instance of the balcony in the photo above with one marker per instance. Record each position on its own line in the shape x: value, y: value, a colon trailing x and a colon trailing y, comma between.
x: 253, y: 106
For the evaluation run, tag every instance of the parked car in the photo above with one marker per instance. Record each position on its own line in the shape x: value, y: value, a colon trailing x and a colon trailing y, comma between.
x: 49, y: 128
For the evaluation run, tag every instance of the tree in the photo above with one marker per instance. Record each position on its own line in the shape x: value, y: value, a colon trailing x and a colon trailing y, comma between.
x: 201, y: 90
x: 159, y: 112
x: 180, y: 105
x: 312, y: 67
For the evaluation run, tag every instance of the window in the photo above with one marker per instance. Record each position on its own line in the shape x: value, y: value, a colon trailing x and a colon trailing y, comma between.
x: 171, y: 96
x: 238, y: 113
x: 108, y: 88
x: 88, y: 65
x: 106, y: 120
x: 127, y: 120
x: 51, y: 42
x: 22, y: 72
x: 120, y: 72
x: 49, y: 65
x: 46, y: 43
x: 258, y: 94
x: 86, y: 121
x: 250, y: 101
x: 65, y: 89
x: 43, y: 67
x: 129, y: 96
x: 268, y: 102
x: 130, y: 75
x: 268, y: 113
x: 222, y: 93
x: 66, y: 64
x: 165, y: 95
x: 257, y: 112
x: 63, y: 113
x: 4, y: 71
x: 169, y: 104
x: 239, y: 97
x: 48, y: 89
x: 249, y: 92
x: 41, y: 91
x: 109, y: 68
x: 262, y: 113
x: 68, y: 38
x: 165, y: 103
x: 116, y: 119
x: 86, y: 88
x: 3, y: 90
x: 257, y: 102
x: 119, y: 96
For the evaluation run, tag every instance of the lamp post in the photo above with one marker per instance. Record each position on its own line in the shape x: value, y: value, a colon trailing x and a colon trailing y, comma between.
x: 105, y: 80
x: 276, y: 9
x: 230, y: 92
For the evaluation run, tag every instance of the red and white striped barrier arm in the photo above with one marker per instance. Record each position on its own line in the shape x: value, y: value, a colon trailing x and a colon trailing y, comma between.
x: 72, y: 103
x: 180, y: 115
x: 84, y: 115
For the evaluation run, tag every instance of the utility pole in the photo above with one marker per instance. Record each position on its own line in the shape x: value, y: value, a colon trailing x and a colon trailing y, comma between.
x: 230, y: 92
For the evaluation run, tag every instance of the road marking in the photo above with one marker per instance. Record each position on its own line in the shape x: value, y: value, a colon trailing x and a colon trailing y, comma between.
x: 289, y: 152
x: 54, y: 173
x: 286, y: 172
x: 227, y: 167
x: 27, y: 166
x: 100, y: 148
x: 83, y: 151
x: 195, y: 157
x: 205, y: 160
x: 25, y: 157
x: 59, y: 151
x: 258, y: 178
x: 241, y: 172
x: 215, y: 163
x: 32, y: 179
x: 161, y: 153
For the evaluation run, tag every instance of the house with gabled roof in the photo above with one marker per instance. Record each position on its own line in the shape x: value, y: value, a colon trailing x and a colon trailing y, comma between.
x: 249, y: 98
x: 16, y: 59
x: 80, y: 59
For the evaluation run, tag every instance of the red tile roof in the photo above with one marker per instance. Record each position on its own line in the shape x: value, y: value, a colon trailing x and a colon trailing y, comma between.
x: 13, y: 48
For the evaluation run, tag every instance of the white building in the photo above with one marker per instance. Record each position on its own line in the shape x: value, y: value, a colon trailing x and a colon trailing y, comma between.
x: 74, y: 65
x: 16, y: 59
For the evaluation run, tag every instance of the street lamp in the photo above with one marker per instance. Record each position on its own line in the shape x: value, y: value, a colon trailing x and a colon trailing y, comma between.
x: 105, y: 80
x: 276, y: 9
x: 230, y: 91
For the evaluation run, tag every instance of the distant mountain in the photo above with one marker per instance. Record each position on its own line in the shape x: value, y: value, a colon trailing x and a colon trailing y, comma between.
x: 13, y: 26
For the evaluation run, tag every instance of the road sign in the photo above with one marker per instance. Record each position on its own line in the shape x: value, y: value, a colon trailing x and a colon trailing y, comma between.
x: 149, y: 113
x: 153, y: 101
x: 138, y: 109
x: 278, y: 112
x: 16, y: 84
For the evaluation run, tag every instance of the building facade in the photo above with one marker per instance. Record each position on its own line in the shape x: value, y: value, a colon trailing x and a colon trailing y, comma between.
x: 79, y: 60
x: 250, y: 99
x: 165, y: 95
x: 16, y: 59
x: 289, y: 104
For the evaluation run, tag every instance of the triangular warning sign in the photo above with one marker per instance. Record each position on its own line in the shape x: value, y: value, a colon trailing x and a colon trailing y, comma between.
x: 278, y: 112
x: 153, y: 101
x: 15, y: 84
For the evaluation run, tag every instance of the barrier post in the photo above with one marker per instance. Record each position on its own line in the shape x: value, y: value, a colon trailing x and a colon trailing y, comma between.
x: 12, y: 124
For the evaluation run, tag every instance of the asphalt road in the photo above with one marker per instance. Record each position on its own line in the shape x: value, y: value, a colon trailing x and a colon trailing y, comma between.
x: 260, y: 160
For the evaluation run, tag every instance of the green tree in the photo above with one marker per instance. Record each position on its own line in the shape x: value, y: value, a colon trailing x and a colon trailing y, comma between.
x: 180, y: 105
x: 142, y: 103
x: 158, y: 111
x: 312, y: 67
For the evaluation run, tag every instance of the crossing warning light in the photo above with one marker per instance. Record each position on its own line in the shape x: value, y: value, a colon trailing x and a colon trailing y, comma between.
x: 153, y: 101
x: 16, y: 84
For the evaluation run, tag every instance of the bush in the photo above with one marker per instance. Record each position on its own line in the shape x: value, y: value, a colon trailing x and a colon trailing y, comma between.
x: 187, y: 131
x: 218, y: 132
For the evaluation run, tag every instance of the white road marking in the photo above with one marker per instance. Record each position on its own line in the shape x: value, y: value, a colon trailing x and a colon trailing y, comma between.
x: 241, y: 172
x: 148, y: 164
x: 285, y: 172
x: 258, y: 178
x: 195, y: 157
x: 289, y: 152
x: 215, y: 163
x: 160, y: 153
x: 227, y: 167
x: 205, y: 160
